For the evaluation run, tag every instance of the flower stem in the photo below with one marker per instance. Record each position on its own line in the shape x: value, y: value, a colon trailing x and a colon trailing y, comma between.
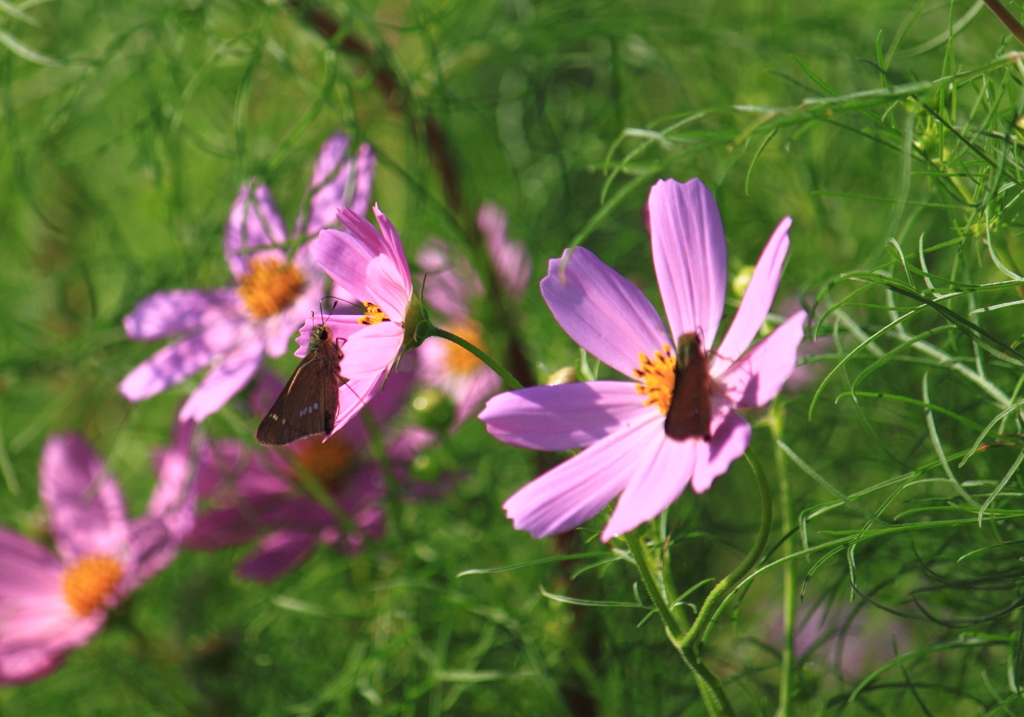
x: 788, y: 568
x: 1006, y: 18
x: 711, y: 690
x: 507, y: 377
x: 721, y: 591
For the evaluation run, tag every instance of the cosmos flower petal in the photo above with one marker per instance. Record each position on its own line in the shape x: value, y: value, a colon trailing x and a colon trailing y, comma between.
x: 229, y: 376
x: 394, y: 249
x: 511, y: 261
x: 166, y: 313
x: 758, y: 376
x: 757, y: 300
x: 385, y: 289
x: 171, y: 510
x: 34, y: 635
x: 688, y: 246
x: 253, y: 222
x: 366, y: 165
x: 279, y: 329
x: 560, y: 418
x: 345, y: 258
x: 343, y: 326
x: 277, y: 553
x: 84, y: 503
x: 729, y: 442
x: 27, y: 664
x: 27, y: 569
x: 575, y: 491
x: 657, y: 473
x: 601, y: 310
x: 331, y: 185
x: 371, y: 351
x: 354, y: 396
x: 177, y: 361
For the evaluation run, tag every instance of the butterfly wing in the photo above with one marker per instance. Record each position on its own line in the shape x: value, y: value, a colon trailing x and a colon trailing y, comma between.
x: 689, y: 413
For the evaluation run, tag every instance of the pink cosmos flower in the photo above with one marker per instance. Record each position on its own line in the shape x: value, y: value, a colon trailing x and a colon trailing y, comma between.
x: 622, y: 424
x: 50, y: 604
x: 231, y: 329
x: 369, y: 268
x: 257, y: 494
x: 450, y: 287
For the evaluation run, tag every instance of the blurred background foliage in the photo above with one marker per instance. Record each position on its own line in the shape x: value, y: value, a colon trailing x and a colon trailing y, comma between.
x: 129, y: 126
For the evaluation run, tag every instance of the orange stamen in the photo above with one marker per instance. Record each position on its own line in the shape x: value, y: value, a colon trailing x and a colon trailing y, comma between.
x: 89, y: 582
x: 270, y: 287
x: 373, y: 315
x: 657, y: 378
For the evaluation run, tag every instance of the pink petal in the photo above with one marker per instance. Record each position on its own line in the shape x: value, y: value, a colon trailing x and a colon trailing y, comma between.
x: 165, y: 313
x: 366, y: 165
x: 27, y: 569
x: 757, y: 300
x: 729, y: 442
x: 345, y: 256
x: 386, y: 289
x: 469, y: 391
x: 450, y: 283
x: 84, y: 503
x: 253, y: 222
x: 174, y: 495
x: 560, y: 418
x: 601, y: 310
x: 354, y: 396
x: 657, y: 474
x: 511, y: 261
x: 277, y: 331
x: 331, y: 185
x: 25, y: 665
x: 153, y: 549
x: 395, y: 250
x: 575, y: 491
x: 177, y: 361
x: 756, y: 378
x: 372, y: 350
x: 228, y: 375
x: 276, y: 554
x: 688, y: 245
x: 216, y: 529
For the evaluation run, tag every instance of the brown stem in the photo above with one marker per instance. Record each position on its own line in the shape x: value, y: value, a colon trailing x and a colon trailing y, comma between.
x: 1005, y: 17
x: 399, y: 99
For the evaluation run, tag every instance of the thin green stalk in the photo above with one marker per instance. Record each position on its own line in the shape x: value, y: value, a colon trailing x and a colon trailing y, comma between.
x: 788, y: 568
x: 721, y: 591
x: 507, y: 377
x: 711, y: 691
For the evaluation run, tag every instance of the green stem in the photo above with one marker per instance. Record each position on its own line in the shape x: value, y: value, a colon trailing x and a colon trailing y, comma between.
x: 721, y: 591
x: 711, y: 691
x: 507, y: 377
x: 788, y: 569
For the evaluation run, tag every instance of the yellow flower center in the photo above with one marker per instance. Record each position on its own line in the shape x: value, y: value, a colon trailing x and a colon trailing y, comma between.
x: 373, y: 315
x: 460, y: 361
x: 269, y: 287
x: 89, y: 581
x: 657, y: 378
x: 325, y: 461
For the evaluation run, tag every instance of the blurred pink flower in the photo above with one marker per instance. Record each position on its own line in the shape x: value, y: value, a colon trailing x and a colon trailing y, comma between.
x: 233, y: 328
x: 257, y: 494
x: 370, y: 269
x: 450, y: 287
x: 623, y: 424
x: 50, y: 604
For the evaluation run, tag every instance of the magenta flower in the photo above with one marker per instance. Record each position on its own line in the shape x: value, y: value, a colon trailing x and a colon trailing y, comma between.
x: 50, y: 604
x: 370, y: 269
x: 257, y: 494
x: 623, y: 424
x: 233, y: 328
x: 450, y: 287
